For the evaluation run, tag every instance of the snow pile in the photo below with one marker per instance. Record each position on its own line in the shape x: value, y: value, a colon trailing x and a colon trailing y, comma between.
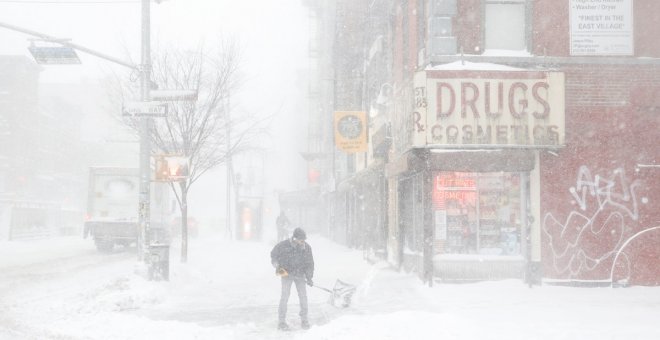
x: 124, y: 294
x: 466, y: 65
x: 228, y: 290
x: 397, y: 325
x: 17, y: 253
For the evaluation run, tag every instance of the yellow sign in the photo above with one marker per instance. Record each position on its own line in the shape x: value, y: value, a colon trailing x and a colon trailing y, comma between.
x: 351, y: 131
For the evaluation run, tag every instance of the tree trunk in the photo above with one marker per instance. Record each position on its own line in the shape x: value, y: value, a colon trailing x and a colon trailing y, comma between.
x: 184, y: 222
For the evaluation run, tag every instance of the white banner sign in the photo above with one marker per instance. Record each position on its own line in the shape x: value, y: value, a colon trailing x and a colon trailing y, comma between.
x: 601, y: 27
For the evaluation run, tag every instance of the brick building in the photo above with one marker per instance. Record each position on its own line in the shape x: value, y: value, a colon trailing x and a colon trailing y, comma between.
x: 507, y: 139
x: 41, y: 170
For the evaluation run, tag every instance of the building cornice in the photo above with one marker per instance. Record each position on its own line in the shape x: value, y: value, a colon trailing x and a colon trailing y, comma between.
x: 548, y: 60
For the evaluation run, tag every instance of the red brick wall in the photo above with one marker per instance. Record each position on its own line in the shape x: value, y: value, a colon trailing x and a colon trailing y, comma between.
x: 647, y: 27
x: 593, y: 197
x: 404, y: 68
x: 468, y: 26
x: 551, y: 27
x: 550, y: 34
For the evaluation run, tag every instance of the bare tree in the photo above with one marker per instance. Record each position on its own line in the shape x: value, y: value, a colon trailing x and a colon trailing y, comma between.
x: 199, y: 130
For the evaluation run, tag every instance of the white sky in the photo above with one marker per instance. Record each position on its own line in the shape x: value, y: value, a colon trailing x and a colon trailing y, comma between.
x: 266, y: 28
x: 272, y: 33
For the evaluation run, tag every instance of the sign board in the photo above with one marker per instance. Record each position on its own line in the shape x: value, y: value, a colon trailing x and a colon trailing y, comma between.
x: 174, y: 95
x: 419, y: 110
x: 351, y: 131
x: 54, y: 55
x: 499, y: 108
x: 601, y: 27
x: 144, y: 109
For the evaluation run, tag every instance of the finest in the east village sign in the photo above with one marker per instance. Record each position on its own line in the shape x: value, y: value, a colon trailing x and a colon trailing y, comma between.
x: 489, y: 108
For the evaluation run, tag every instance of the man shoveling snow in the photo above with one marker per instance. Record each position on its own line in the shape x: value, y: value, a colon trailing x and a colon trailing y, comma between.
x: 294, y: 263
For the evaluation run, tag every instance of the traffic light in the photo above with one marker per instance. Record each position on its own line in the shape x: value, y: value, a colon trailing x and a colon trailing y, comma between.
x: 171, y: 168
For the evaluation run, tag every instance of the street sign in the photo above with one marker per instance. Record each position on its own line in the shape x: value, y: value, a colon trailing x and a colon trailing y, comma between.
x: 144, y: 109
x: 174, y: 95
x: 54, y: 55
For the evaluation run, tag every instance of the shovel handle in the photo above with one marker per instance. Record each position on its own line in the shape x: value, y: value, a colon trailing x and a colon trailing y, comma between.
x: 326, y: 289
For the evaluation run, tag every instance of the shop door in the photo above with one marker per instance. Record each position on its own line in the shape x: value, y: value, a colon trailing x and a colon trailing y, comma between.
x: 406, y: 216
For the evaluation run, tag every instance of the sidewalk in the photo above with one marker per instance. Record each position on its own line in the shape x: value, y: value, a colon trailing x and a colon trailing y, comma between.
x: 228, y: 290
x: 232, y: 286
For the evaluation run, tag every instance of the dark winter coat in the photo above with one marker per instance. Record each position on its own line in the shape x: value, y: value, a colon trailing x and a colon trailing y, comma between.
x: 296, y: 260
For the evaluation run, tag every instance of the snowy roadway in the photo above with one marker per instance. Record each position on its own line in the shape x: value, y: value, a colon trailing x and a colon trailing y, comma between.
x: 63, y: 289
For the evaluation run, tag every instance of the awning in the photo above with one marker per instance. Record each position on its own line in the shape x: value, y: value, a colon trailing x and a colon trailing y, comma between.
x: 464, y: 160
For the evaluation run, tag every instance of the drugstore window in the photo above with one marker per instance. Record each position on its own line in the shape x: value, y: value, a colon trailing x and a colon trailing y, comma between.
x: 477, y: 213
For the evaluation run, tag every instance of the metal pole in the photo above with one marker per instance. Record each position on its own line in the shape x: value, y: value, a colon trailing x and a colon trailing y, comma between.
x: 229, y: 169
x: 145, y: 138
x: 65, y: 42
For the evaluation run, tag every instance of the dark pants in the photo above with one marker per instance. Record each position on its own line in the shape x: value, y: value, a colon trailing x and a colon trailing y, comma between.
x: 287, y: 281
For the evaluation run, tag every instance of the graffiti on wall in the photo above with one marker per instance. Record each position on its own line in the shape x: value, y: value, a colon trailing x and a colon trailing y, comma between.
x: 589, y: 238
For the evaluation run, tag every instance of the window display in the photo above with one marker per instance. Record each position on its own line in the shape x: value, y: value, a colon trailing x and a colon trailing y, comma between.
x: 477, y: 213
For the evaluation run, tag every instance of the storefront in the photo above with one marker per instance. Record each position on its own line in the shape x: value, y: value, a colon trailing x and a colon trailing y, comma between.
x: 481, y: 213
x: 464, y: 215
x: 466, y: 192
x: 478, y: 213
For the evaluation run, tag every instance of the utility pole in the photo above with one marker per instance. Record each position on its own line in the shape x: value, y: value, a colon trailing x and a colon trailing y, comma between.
x: 145, y: 134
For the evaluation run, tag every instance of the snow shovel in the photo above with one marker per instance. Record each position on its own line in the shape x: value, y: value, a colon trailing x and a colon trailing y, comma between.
x: 341, y: 294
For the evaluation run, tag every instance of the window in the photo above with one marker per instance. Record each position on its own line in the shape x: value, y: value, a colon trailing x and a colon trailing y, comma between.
x: 477, y: 213
x: 505, y: 26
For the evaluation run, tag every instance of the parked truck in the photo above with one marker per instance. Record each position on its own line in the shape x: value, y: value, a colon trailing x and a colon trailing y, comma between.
x: 112, y: 206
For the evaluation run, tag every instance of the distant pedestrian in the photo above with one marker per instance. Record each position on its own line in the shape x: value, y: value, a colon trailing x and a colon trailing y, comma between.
x: 294, y: 263
x: 283, y: 224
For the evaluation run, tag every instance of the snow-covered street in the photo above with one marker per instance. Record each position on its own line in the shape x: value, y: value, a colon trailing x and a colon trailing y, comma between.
x: 63, y: 289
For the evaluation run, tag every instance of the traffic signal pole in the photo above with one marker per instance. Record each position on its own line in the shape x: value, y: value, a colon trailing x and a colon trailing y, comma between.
x: 145, y: 135
x: 144, y: 68
x: 65, y: 42
x: 145, y: 243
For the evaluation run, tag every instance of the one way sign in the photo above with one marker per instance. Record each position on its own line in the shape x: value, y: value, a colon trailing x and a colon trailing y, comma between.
x: 144, y: 109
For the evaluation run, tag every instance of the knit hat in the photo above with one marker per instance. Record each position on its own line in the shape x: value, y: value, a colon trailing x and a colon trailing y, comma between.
x: 299, y: 234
